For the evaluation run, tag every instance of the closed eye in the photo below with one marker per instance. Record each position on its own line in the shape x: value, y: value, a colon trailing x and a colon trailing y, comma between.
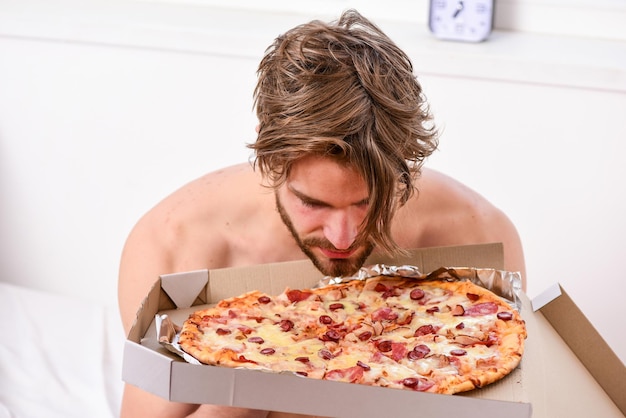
x: 312, y: 203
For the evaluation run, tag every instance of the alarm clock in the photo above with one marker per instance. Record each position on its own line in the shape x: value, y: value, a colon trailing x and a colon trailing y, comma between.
x: 461, y: 20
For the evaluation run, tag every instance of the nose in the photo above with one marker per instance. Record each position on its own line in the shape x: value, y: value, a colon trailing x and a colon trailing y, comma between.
x: 341, y: 229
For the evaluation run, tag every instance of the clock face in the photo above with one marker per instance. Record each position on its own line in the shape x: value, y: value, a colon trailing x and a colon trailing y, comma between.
x: 461, y: 20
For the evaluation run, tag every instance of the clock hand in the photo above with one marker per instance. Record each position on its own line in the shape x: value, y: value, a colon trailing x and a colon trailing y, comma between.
x: 459, y: 8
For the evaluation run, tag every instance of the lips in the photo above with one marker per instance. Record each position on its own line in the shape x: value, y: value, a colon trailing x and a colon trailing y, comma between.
x: 337, y: 254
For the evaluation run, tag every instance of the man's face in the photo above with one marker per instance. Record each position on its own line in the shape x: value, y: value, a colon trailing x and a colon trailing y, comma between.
x: 323, y: 203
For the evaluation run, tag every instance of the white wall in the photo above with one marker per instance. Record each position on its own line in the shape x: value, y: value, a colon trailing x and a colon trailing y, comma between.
x: 92, y: 137
x: 103, y: 113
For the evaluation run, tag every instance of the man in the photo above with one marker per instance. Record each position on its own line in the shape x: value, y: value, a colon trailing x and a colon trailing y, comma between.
x: 343, y: 132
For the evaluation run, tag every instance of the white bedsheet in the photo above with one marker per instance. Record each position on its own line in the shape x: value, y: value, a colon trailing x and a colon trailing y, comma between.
x: 59, y: 357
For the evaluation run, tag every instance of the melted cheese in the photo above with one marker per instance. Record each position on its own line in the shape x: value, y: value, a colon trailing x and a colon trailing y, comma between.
x: 306, y: 339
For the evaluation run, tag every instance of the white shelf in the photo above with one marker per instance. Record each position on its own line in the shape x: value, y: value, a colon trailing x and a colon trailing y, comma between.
x: 204, y: 29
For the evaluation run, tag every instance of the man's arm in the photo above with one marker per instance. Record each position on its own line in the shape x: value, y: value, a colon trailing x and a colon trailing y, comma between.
x: 148, y: 254
x: 138, y: 403
x: 143, y: 260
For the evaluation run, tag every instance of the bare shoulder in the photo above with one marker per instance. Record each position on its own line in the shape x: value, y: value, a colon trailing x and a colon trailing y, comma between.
x: 452, y: 207
x: 185, y: 231
x: 184, y: 217
x: 444, y: 211
x: 203, y: 203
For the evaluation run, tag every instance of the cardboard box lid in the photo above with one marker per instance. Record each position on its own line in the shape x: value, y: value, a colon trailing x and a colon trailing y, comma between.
x: 584, y: 341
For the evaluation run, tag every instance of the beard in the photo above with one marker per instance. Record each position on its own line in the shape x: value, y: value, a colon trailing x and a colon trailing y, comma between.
x: 334, y: 267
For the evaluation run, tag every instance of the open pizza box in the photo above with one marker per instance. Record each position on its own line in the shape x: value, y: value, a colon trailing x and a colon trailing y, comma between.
x: 561, y: 374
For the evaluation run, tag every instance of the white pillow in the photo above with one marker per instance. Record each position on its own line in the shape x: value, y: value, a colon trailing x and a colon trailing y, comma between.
x: 59, y: 357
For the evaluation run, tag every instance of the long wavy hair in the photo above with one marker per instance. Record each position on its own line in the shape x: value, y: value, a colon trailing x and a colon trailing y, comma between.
x: 344, y: 90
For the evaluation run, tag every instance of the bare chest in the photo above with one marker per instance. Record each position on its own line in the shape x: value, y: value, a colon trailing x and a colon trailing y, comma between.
x: 239, y: 242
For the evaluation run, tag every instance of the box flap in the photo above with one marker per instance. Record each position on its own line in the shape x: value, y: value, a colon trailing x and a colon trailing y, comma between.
x: 184, y: 296
x: 145, y: 314
x: 585, y: 341
x: 268, y: 278
x: 146, y: 369
x: 546, y: 297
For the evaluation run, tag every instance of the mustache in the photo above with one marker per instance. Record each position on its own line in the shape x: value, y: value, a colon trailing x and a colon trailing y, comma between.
x: 326, y: 245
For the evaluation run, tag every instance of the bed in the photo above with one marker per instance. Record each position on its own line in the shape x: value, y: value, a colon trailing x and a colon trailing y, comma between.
x: 59, y: 357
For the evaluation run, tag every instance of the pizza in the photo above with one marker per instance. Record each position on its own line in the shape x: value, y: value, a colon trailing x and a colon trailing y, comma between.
x: 435, y: 336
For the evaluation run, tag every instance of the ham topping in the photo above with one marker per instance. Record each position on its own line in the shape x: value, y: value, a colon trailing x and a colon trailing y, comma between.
x: 457, y: 311
x: 485, y: 308
x: 351, y: 374
x: 384, y: 313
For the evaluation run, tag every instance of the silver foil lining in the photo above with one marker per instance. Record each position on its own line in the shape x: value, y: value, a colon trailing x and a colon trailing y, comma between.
x: 506, y: 284
x: 167, y: 335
